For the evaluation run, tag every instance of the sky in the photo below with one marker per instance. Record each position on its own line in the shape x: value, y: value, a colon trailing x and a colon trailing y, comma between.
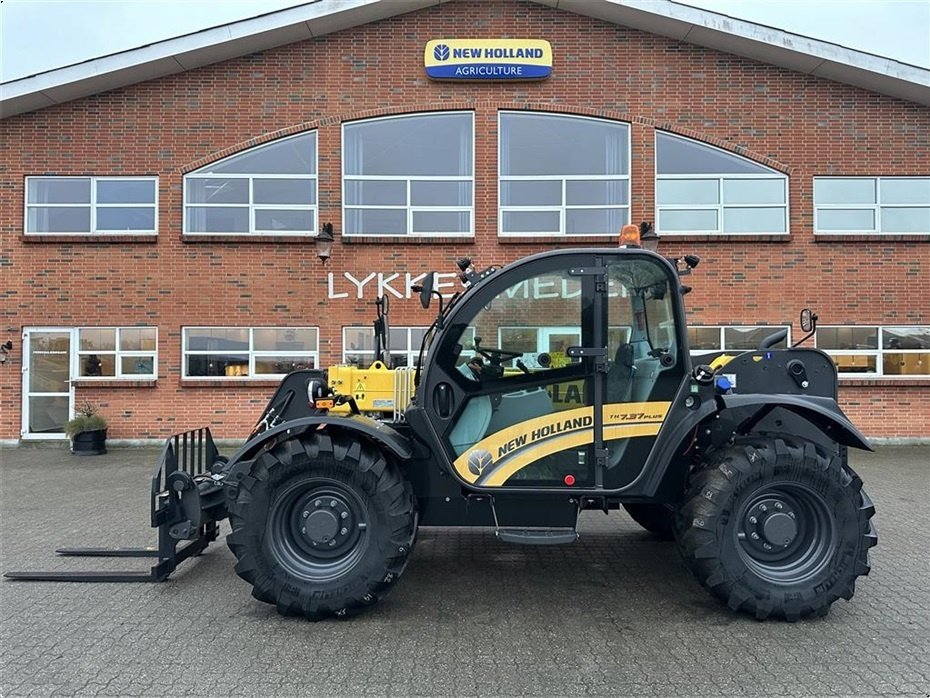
x: 40, y: 35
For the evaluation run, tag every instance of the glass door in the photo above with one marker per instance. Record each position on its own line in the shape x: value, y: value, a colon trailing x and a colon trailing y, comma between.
x: 524, y: 416
x: 48, y: 398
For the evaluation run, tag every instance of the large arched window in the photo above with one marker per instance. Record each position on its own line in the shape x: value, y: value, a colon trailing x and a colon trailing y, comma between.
x: 409, y: 175
x: 704, y: 190
x: 563, y: 175
x: 267, y: 190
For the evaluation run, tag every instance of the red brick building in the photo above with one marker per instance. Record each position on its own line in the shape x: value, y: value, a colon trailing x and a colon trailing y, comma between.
x: 158, y: 207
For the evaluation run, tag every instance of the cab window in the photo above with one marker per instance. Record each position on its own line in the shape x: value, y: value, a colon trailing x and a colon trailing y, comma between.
x: 526, y: 328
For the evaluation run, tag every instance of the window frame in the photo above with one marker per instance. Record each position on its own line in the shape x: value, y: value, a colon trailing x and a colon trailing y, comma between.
x: 117, y: 355
x: 409, y: 179
x: 720, y: 207
x: 879, y: 353
x: 721, y: 336
x: 251, y: 206
x: 564, y: 179
x: 412, y: 352
x: 875, y: 208
x: 251, y: 352
x: 93, y: 205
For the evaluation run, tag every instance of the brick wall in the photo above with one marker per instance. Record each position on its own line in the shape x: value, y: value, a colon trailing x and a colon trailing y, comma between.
x: 889, y: 408
x: 802, y: 125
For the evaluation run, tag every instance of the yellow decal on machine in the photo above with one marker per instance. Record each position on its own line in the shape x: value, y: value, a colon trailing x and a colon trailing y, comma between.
x: 494, y: 459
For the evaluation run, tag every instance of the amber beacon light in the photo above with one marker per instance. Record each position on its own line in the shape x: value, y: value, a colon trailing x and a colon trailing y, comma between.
x: 629, y: 236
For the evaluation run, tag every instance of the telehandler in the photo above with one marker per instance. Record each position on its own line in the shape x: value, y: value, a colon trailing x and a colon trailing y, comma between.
x: 558, y: 383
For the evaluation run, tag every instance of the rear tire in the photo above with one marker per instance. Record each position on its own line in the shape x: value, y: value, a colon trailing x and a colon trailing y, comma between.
x: 655, y: 518
x: 777, y: 527
x: 322, y: 526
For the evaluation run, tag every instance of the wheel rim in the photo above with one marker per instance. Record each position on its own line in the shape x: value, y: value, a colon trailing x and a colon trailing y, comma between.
x: 786, y: 533
x: 317, y: 530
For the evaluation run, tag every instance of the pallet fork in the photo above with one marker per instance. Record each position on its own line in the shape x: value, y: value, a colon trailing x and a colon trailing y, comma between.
x: 187, y: 502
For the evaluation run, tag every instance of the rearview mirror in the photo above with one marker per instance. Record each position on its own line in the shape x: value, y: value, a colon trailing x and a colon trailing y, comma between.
x: 808, y: 320
x: 426, y: 290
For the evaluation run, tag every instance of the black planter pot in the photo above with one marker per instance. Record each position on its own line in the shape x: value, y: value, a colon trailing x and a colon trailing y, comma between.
x: 89, y: 443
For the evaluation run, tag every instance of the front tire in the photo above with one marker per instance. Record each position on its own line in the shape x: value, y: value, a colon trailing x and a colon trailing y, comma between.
x: 322, y: 526
x: 777, y: 527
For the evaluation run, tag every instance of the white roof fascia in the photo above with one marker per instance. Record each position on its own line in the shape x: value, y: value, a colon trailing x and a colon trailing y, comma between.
x: 320, y: 17
x: 195, y: 50
x: 764, y: 44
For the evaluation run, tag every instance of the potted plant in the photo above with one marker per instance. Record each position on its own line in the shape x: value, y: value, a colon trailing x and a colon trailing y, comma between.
x: 88, y: 432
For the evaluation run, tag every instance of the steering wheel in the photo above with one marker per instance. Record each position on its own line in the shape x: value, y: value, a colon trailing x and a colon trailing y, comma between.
x: 498, y: 356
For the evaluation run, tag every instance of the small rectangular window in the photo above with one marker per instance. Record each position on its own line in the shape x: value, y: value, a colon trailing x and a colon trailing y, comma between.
x: 296, y: 192
x: 682, y: 192
x: 440, y: 193
x: 754, y: 219
x: 214, y: 191
x: 861, y: 205
x: 704, y: 339
x: 878, y: 351
x: 525, y: 222
x: 91, y: 206
x: 530, y: 193
x: 689, y: 220
x: 125, y: 191
x: 904, y: 190
x: 903, y: 219
x: 283, y: 221
x: 117, y: 352
x: 749, y: 338
x: 843, y: 191
x: 586, y: 192
x: 218, y: 220
x: 58, y: 190
x: 707, y: 339
x: 839, y: 219
x: 441, y: 222
x: 753, y: 192
x: 372, y: 192
x: 858, y: 338
x: 244, y: 352
x: 594, y: 221
x: 358, y: 345
x: 363, y: 221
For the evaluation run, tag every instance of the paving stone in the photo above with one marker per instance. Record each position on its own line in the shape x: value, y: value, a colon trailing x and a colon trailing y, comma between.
x: 614, y: 614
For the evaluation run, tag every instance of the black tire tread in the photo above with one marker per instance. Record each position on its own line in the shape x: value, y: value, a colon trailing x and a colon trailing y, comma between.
x: 352, y: 454
x: 705, y: 511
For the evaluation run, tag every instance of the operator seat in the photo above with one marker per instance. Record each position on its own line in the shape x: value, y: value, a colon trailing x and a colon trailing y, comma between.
x: 620, y: 375
x: 620, y: 378
x: 472, y: 424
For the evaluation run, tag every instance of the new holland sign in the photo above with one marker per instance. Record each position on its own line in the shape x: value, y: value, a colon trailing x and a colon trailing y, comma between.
x: 488, y: 59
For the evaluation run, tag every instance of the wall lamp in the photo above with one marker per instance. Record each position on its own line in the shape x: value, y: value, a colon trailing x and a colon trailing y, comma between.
x: 5, y: 350
x: 324, y: 242
x: 648, y: 237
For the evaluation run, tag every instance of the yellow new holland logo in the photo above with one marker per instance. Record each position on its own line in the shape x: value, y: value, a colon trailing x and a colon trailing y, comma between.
x: 494, y: 459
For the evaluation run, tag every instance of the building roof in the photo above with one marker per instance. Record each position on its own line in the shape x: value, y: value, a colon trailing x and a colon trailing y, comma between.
x: 319, y: 17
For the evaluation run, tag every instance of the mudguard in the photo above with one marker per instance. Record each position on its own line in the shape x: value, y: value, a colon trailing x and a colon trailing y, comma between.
x: 665, y: 471
x: 368, y: 428
x: 823, y: 412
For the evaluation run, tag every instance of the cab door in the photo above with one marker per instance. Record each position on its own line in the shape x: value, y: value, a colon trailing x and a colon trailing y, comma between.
x: 513, y: 383
x: 558, y: 372
x: 646, y: 363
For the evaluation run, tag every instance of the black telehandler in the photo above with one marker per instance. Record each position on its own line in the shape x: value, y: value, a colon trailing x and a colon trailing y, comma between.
x: 555, y: 384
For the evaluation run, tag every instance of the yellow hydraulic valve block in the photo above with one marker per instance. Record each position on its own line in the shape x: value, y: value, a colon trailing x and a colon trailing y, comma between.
x: 372, y: 387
